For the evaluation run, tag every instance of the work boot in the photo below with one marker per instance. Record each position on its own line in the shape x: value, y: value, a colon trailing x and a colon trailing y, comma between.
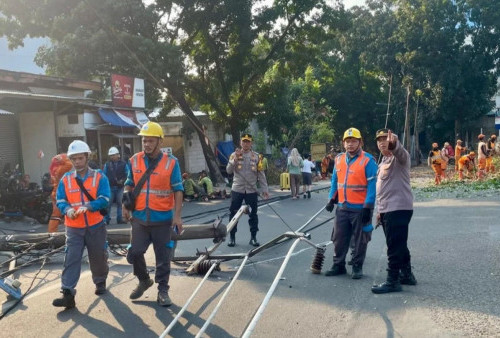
x: 141, y: 287
x: 253, y: 240
x: 357, y: 272
x: 232, y: 240
x: 392, y: 283
x: 308, y: 194
x: 336, y: 270
x: 100, y: 288
x: 163, y: 298
x: 305, y: 195
x: 67, y: 300
x: 406, y: 277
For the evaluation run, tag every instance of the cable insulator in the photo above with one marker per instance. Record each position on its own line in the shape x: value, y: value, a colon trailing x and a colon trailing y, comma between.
x: 318, y: 260
x: 204, y: 266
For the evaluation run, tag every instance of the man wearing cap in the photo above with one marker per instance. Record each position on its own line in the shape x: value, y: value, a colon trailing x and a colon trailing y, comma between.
x: 353, y: 187
x: 459, y: 150
x: 116, y: 171
x: 482, y: 154
x: 155, y: 212
x: 244, y: 164
x: 394, y: 210
x: 85, y: 226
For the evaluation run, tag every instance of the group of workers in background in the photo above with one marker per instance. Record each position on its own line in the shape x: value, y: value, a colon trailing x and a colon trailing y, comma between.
x: 464, y: 163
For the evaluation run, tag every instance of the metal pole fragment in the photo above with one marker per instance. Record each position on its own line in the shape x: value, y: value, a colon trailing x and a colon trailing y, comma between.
x: 181, y: 312
x: 260, y: 311
x: 214, y: 311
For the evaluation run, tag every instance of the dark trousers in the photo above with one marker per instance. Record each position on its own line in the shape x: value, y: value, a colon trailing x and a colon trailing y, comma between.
x: 142, y: 236
x: 395, y: 225
x: 250, y: 200
x: 348, y: 225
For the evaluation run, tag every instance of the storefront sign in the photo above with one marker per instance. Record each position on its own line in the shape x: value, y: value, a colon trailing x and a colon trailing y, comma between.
x: 127, y: 92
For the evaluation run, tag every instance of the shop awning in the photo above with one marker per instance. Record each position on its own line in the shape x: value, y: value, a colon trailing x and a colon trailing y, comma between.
x: 123, y: 118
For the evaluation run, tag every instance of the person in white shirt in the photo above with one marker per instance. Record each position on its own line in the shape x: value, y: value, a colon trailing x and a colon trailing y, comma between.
x: 307, y: 176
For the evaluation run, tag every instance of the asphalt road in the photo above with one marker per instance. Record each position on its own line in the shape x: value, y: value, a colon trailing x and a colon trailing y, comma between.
x: 455, y: 255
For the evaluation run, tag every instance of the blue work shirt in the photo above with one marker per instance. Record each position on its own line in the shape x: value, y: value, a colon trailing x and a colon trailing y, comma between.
x: 103, y: 192
x: 175, y: 183
x: 371, y: 178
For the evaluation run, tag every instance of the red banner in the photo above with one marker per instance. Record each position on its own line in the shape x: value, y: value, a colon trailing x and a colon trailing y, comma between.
x: 122, y: 90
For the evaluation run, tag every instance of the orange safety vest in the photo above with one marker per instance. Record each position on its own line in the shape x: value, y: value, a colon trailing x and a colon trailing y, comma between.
x: 436, y: 157
x: 352, y: 184
x: 76, y: 198
x: 156, y: 193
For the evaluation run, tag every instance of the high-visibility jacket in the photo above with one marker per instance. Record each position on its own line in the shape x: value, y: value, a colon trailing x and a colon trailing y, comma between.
x: 458, y: 151
x: 465, y: 162
x: 76, y: 198
x: 352, y: 182
x: 436, y: 157
x: 156, y: 193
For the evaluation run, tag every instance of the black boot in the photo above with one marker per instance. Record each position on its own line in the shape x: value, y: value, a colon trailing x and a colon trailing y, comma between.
x: 392, y: 283
x: 232, y: 240
x: 357, y: 271
x: 253, y: 240
x: 67, y: 300
x: 406, y: 277
x: 336, y: 270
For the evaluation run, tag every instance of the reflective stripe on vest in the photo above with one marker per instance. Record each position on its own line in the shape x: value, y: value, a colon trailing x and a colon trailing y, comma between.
x: 76, y: 198
x: 156, y: 193
x: 352, y: 183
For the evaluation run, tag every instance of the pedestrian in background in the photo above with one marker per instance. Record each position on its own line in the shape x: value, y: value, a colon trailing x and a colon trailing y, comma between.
x: 155, y: 212
x: 244, y: 164
x: 353, y: 186
x: 116, y: 171
x: 82, y: 194
x: 294, y: 167
x: 394, y: 210
x: 307, y: 176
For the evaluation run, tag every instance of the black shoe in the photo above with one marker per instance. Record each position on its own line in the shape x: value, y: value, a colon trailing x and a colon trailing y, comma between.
x: 100, y: 288
x: 308, y: 194
x: 232, y: 241
x: 336, y: 270
x: 67, y: 300
x: 141, y: 287
x: 253, y: 241
x: 120, y: 221
x: 305, y: 195
x: 386, y: 287
x: 357, y: 272
x: 406, y: 277
x: 163, y: 299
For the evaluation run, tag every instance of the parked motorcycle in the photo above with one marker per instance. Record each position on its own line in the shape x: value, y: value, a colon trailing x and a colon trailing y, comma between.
x: 19, y: 197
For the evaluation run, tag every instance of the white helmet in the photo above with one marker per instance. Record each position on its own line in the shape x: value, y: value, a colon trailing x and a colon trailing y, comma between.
x: 78, y: 147
x: 113, y: 151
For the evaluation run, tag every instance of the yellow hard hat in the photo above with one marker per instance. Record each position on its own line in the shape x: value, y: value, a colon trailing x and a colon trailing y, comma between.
x: 151, y: 129
x: 352, y: 132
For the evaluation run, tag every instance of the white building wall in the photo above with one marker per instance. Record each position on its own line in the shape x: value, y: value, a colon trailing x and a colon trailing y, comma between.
x: 195, y: 160
x: 37, y: 132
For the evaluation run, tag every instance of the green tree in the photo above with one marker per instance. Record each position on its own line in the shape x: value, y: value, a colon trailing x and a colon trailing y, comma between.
x: 210, y: 53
